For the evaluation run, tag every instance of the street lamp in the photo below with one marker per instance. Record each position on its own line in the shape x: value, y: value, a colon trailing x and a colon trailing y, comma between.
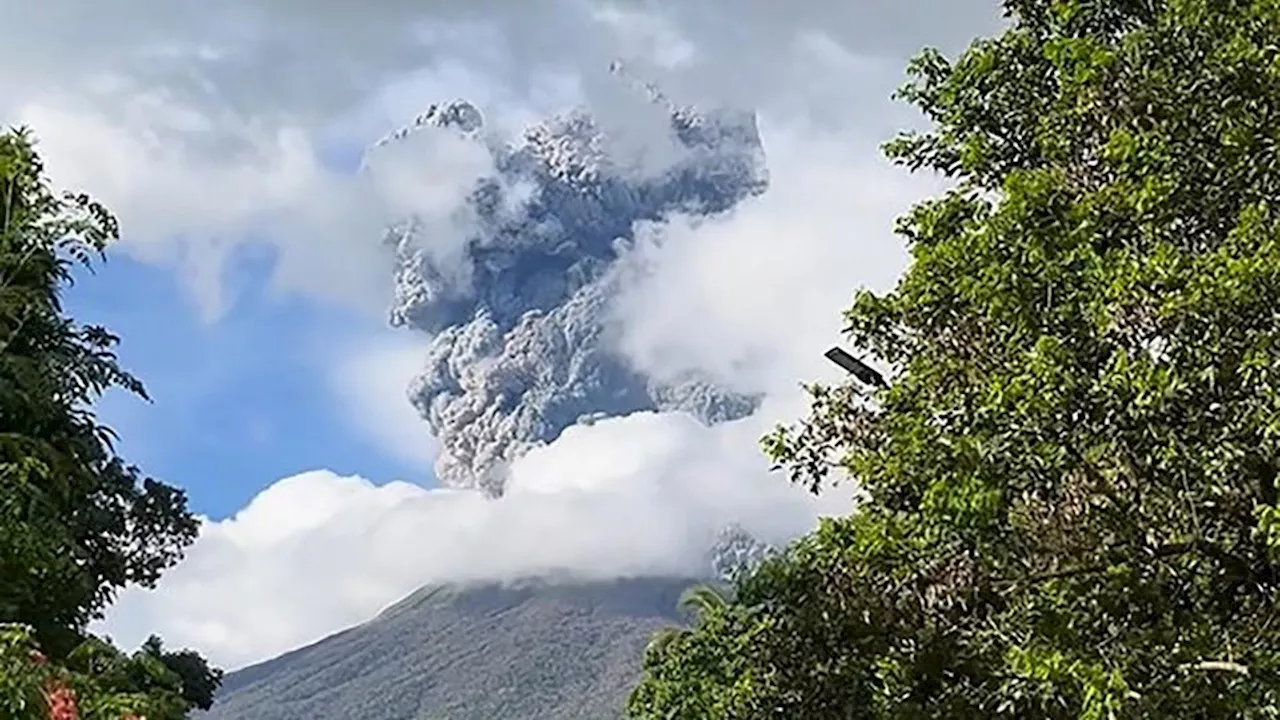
x: 859, y: 369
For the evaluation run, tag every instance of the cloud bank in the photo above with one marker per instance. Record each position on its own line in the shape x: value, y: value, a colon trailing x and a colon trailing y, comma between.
x: 637, y: 496
x: 211, y: 128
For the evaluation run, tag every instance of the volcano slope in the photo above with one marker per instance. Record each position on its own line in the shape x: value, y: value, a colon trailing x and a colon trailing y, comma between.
x: 538, y: 649
x: 532, y: 650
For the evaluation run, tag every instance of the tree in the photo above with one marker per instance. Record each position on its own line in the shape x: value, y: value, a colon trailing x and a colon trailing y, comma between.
x: 76, y: 522
x: 98, y: 682
x: 697, y: 602
x: 1069, y: 480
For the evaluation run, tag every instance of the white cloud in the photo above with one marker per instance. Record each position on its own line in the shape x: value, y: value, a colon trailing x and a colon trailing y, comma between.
x: 207, y: 127
x: 179, y: 202
x: 640, y: 495
x: 190, y: 189
x: 203, y: 125
x: 645, y: 35
x: 370, y: 379
x: 755, y: 296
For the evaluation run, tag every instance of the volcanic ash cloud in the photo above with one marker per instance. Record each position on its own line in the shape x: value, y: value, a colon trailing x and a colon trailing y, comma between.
x: 517, y: 303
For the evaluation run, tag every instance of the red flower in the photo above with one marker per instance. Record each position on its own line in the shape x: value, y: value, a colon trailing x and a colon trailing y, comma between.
x: 62, y: 702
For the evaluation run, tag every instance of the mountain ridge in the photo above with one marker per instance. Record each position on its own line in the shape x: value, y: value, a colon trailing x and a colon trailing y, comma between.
x: 525, y: 650
x: 624, y: 614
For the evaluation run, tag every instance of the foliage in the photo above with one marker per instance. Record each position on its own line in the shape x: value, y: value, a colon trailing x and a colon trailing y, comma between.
x: 76, y: 522
x: 97, y: 683
x: 1070, y: 480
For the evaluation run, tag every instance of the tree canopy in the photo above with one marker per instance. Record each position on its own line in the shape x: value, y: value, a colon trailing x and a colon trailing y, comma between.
x: 77, y: 523
x: 1069, y: 480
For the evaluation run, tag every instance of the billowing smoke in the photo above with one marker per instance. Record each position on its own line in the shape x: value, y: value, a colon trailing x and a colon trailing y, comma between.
x: 518, y: 309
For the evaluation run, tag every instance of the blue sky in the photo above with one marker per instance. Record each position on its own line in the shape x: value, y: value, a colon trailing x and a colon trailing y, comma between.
x: 239, y: 402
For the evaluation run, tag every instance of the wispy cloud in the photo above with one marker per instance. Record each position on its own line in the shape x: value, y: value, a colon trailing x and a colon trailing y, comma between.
x: 371, y: 380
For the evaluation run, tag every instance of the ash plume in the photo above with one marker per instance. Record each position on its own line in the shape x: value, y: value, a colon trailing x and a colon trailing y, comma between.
x: 521, y: 343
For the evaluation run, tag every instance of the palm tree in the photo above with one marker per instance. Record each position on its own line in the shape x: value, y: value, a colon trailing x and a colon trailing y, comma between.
x: 698, y: 602
x: 703, y: 600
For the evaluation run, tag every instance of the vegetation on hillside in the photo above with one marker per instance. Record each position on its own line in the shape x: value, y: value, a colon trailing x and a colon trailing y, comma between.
x: 1070, y: 478
x: 77, y: 523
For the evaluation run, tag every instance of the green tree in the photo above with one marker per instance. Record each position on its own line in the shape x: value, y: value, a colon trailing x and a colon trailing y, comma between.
x: 99, y: 681
x: 77, y: 523
x: 1069, y: 480
x: 697, y: 602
